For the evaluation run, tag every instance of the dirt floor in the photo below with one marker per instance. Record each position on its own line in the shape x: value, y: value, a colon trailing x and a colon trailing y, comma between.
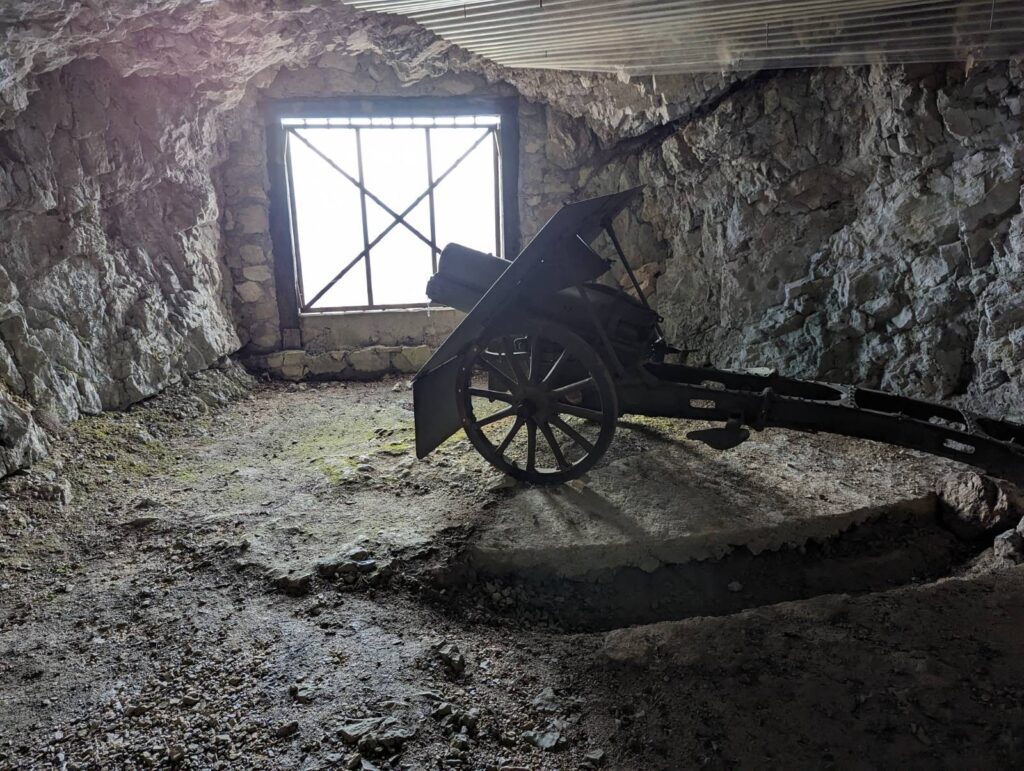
x: 222, y: 578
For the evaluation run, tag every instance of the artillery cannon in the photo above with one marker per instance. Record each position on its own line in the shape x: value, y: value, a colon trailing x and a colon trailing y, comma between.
x: 546, y: 361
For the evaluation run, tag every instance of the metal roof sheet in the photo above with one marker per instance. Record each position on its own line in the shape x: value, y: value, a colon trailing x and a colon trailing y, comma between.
x: 641, y: 37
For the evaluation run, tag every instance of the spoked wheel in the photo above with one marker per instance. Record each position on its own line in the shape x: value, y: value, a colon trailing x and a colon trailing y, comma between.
x: 537, y: 401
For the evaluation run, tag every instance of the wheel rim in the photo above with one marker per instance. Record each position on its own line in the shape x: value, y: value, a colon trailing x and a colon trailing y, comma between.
x: 537, y: 401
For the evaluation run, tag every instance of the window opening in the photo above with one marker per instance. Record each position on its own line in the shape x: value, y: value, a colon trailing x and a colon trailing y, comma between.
x: 372, y: 200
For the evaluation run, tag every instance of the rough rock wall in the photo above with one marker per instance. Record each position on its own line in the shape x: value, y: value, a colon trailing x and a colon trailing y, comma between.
x: 109, y: 277
x: 853, y: 225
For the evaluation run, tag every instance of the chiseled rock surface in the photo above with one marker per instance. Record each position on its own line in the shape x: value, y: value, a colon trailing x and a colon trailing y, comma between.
x: 21, y: 441
x: 109, y: 263
x: 853, y: 225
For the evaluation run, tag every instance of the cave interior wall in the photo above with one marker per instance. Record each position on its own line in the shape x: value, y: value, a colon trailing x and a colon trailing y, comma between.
x: 849, y: 224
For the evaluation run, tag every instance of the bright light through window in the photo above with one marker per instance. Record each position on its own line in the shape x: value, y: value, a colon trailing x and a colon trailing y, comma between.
x: 373, y: 202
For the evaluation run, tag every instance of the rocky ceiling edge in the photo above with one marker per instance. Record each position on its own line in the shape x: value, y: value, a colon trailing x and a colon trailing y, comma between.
x: 220, y: 45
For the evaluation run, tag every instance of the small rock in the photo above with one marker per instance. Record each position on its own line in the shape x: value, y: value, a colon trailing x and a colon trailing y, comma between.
x: 287, y: 729
x: 734, y: 586
x: 549, y: 741
x: 300, y: 694
x: 595, y: 756
x: 1009, y: 546
x: 976, y: 506
x: 293, y: 584
x: 58, y: 491
x: 452, y: 658
x: 443, y: 710
x: 545, y: 701
x: 175, y: 753
x: 137, y: 523
x: 336, y: 566
x: 354, y: 731
x: 506, y: 482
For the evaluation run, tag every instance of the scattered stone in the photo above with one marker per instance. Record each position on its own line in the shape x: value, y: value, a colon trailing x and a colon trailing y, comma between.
x: 175, y: 753
x: 505, y: 482
x: 301, y: 694
x: 58, y: 491
x: 336, y: 566
x: 357, y: 729
x: 293, y: 584
x: 452, y: 659
x: 549, y: 741
x: 976, y: 506
x: 442, y: 710
x: 595, y: 757
x: 1009, y: 546
x: 734, y: 586
x: 140, y: 522
x: 545, y: 701
x: 285, y: 730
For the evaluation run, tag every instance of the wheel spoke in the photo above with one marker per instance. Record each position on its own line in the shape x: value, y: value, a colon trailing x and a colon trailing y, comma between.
x: 497, y: 371
x: 494, y: 417
x: 510, y: 354
x: 572, y: 433
x: 580, y: 412
x: 534, y: 357
x: 553, y: 444
x: 511, y: 434
x: 555, y: 367
x: 579, y: 385
x: 531, y: 446
x: 487, y: 393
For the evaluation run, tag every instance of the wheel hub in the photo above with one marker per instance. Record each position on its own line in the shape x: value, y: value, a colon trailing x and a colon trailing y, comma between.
x: 534, y: 403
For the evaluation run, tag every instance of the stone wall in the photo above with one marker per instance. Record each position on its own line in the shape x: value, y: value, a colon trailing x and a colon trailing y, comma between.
x: 111, y: 123
x: 851, y: 225
x: 245, y: 180
x: 110, y: 284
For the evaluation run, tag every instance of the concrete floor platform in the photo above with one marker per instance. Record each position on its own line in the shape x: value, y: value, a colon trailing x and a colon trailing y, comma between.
x: 661, y: 499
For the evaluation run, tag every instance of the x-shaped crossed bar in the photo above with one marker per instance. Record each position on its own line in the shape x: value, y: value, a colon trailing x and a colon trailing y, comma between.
x: 399, y: 219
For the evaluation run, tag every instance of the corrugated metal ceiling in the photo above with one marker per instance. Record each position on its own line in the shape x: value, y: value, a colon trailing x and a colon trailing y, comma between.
x: 641, y: 37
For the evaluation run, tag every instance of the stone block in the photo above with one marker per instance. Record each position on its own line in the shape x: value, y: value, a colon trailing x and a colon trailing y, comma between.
x: 373, y: 360
x: 410, y: 358
x: 252, y: 219
x: 261, y: 274
x: 330, y: 363
x: 252, y: 255
x: 249, y: 291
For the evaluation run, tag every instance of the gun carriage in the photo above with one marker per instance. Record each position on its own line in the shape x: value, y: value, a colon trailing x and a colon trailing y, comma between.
x: 547, y: 360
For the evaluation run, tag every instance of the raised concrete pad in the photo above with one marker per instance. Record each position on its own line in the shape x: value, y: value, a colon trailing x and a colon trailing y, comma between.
x: 661, y: 499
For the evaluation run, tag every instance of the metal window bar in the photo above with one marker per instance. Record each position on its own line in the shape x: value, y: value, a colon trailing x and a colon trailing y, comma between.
x: 291, y: 128
x: 362, y: 207
x: 293, y: 212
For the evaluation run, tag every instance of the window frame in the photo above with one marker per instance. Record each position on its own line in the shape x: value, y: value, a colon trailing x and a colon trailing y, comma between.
x: 287, y: 270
